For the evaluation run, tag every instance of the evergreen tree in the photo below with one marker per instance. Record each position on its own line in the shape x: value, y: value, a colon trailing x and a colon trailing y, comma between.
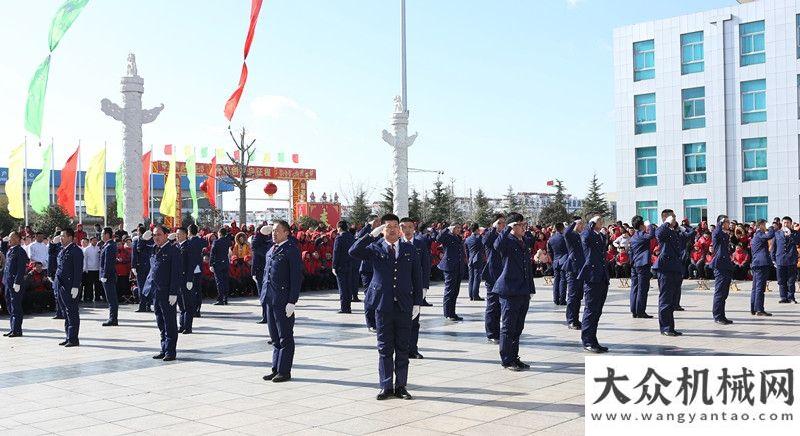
x: 387, y: 201
x: 511, y: 201
x: 359, y: 210
x: 556, y: 210
x: 595, y: 202
x: 482, y: 211
x: 440, y: 202
x: 417, y: 207
x: 53, y: 217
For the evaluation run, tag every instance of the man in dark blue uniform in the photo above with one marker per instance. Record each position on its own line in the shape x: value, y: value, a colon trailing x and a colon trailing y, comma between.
x: 475, y: 261
x: 342, y: 265
x: 186, y: 299
x: 759, y: 266
x: 68, y: 281
x: 140, y: 262
x: 407, y: 226
x: 221, y: 264
x: 669, y: 269
x: 784, y: 254
x: 163, y: 284
x: 572, y: 266
x: 365, y: 271
x: 53, y: 248
x: 423, y: 240
x: 108, y: 275
x: 396, y: 294
x: 283, y: 276
x: 723, y: 268
x: 13, y: 279
x: 262, y: 242
x: 450, y: 265
x: 686, y: 241
x: 640, y: 261
x: 492, y: 270
x: 595, y: 278
x: 196, y: 246
x: 557, y: 249
x: 514, y: 286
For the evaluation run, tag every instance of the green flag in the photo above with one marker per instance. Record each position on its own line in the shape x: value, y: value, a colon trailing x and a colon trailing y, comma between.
x: 39, y: 193
x: 191, y: 174
x: 65, y: 16
x: 204, y: 152
x: 120, y: 191
x: 281, y: 157
x: 34, y: 108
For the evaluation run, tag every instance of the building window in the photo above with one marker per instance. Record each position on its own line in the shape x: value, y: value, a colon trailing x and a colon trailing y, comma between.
x: 754, y: 101
x: 644, y: 60
x: 797, y: 30
x: 645, y: 113
x: 755, y: 208
x: 695, y: 210
x: 694, y: 108
x: 754, y: 151
x: 751, y: 42
x: 646, y: 167
x: 648, y: 210
x: 692, y: 53
x: 694, y: 163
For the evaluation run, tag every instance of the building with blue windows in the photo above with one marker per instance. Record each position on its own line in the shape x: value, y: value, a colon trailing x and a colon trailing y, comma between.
x: 707, y: 114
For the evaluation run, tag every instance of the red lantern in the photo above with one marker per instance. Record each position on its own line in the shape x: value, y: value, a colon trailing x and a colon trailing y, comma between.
x: 270, y: 189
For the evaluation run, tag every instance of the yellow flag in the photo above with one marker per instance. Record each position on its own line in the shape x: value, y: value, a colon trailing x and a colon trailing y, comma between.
x: 94, y: 195
x: 170, y: 196
x: 16, y: 170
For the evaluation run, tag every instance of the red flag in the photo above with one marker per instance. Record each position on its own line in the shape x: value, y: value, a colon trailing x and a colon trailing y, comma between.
x: 146, y: 169
x: 209, y: 185
x: 255, y: 8
x: 66, y: 190
x: 233, y: 100
x: 551, y: 183
x: 236, y: 155
x: 168, y: 149
x: 296, y: 158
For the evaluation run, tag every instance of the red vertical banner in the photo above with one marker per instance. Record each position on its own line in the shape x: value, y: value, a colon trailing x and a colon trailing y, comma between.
x: 233, y: 100
x: 65, y: 194
x: 146, y: 171
x: 209, y: 185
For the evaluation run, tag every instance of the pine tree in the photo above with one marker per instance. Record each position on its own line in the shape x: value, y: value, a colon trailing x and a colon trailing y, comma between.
x: 440, y: 202
x: 595, y: 202
x: 386, y: 203
x: 483, y: 212
x: 359, y: 211
x: 417, y: 207
x: 556, y: 210
x: 53, y: 217
x: 511, y: 201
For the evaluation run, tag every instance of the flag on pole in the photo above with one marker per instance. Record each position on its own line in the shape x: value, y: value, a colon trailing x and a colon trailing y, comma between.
x: 281, y: 157
x: 146, y: 168
x: 39, y: 192
x: 209, y: 185
x: 94, y: 196
x: 65, y: 16
x: 170, y: 195
x: 296, y: 158
x: 119, y: 187
x: 266, y: 158
x: 168, y: 149
x: 204, y: 152
x: 551, y: 183
x: 233, y: 100
x: 16, y: 170
x: 236, y: 155
x: 191, y: 174
x: 219, y: 153
x: 34, y: 107
x: 65, y: 195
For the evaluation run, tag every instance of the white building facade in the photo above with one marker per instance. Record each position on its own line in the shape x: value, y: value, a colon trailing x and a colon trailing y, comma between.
x: 706, y: 111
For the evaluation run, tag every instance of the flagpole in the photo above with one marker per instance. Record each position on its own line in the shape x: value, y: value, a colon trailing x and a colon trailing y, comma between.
x: 150, y: 191
x: 105, y: 198
x: 52, y: 175
x: 77, y: 190
x: 25, y: 180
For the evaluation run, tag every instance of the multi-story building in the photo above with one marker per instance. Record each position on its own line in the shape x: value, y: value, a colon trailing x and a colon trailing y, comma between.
x: 707, y: 113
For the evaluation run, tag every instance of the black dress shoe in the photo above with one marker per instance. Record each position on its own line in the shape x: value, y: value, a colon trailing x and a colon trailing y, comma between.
x: 187, y: 332
x: 270, y: 376
x: 493, y: 341
x: 425, y: 303
x: 159, y: 356
x: 679, y: 309
x: 219, y: 303
x: 356, y: 300
x: 479, y: 299
x: 723, y: 321
x: 752, y: 312
x: 401, y: 392
x: 574, y: 326
x: 140, y: 310
x: 269, y: 341
x: 670, y: 333
x: 522, y: 364
x: 7, y: 334
x: 168, y: 358
x: 385, y: 394
x: 180, y: 330
x: 280, y: 378
x: 71, y: 344
x: 110, y: 324
x: 15, y: 335
x: 263, y: 321
x: 415, y: 355
x: 344, y: 311
x: 644, y: 315
x: 372, y: 329
x: 793, y: 301
x: 62, y: 343
x: 783, y: 301
x: 455, y: 318
x: 513, y: 367
x: 593, y: 349
x: 198, y: 315
x: 603, y: 349
x: 58, y: 317
x: 762, y: 313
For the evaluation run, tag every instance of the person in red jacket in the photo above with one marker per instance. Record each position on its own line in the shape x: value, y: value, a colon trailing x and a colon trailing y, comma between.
x: 741, y: 260
x: 208, y: 286
x: 38, y: 295
x: 123, y: 268
x: 611, y: 256
x: 79, y: 233
x: 623, y: 264
x: 697, y: 262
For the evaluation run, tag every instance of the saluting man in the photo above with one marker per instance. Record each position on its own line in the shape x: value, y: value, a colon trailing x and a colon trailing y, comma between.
x: 784, y: 254
x: 68, y: 280
x: 283, y: 276
x: 514, y: 285
x: 475, y: 261
x: 640, y: 260
x: 572, y: 266
x: 450, y: 265
x: 395, y: 293
x: 595, y: 278
x: 557, y: 249
x: 220, y: 265
x: 163, y: 284
x: 365, y: 271
x: 262, y: 242
x: 723, y: 268
x: 13, y: 279
x: 140, y: 263
x: 342, y: 265
x: 424, y: 239
x: 407, y: 227
x: 108, y: 275
x: 669, y: 268
x: 492, y: 270
x: 759, y: 266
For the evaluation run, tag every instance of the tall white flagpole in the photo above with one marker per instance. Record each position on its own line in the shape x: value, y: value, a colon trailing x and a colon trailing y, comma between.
x: 77, y: 179
x: 25, y: 200
x: 105, y: 197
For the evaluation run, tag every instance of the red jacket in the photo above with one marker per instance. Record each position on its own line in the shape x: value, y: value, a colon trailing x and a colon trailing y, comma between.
x: 123, y: 262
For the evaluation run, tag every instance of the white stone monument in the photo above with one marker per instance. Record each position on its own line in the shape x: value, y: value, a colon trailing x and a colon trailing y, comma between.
x: 132, y: 117
x: 400, y: 141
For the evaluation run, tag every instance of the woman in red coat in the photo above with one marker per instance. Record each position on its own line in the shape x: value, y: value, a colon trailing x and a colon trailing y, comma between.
x: 122, y: 266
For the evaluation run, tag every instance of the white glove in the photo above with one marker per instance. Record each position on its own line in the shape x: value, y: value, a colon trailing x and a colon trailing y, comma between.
x: 172, y: 236
x: 57, y: 240
x: 496, y: 223
x: 512, y: 224
x: 451, y: 228
x: 74, y: 293
x: 254, y: 279
x: 266, y: 230
x: 415, y: 312
x: 333, y: 270
x: 289, y: 310
x: 377, y: 230
x: 647, y: 224
x: 595, y: 219
x: 148, y: 235
x: 133, y: 270
x: 173, y: 299
x: 5, y: 239
x: 103, y: 279
x: 189, y: 285
x: 670, y: 219
x: 211, y: 268
x: 16, y: 287
x: 424, y: 293
x: 786, y: 231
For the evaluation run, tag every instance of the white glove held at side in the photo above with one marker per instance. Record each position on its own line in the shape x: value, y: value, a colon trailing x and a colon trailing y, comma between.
x: 415, y: 312
x: 189, y: 285
x: 103, y: 279
x: 16, y: 287
x: 289, y: 310
x: 74, y: 293
x: 173, y: 299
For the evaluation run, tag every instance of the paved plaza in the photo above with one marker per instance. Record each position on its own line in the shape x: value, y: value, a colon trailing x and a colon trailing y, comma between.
x: 110, y: 385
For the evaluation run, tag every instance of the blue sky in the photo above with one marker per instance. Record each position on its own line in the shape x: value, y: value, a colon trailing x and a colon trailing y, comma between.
x: 501, y: 93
